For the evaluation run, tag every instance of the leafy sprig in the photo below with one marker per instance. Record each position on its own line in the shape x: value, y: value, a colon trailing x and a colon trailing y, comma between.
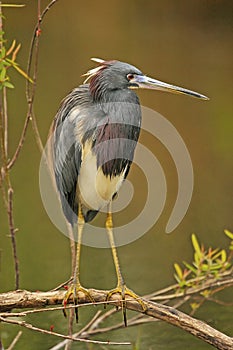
x: 206, y: 263
x: 8, y: 58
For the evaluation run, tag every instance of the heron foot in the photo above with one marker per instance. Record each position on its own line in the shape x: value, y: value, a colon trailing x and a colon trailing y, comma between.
x: 72, y: 294
x: 124, y: 291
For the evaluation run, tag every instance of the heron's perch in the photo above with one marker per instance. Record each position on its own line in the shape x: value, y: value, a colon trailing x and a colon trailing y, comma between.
x: 22, y: 299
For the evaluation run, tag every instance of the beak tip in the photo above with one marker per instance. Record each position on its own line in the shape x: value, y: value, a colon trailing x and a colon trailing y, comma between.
x: 205, y: 98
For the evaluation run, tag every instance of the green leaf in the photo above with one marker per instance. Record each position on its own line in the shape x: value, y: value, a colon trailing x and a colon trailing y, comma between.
x: 177, y: 278
x: 196, y: 245
x: 22, y: 73
x: 178, y: 271
x: 205, y: 267
x: 196, y: 259
x: 223, y: 255
x: 6, y: 64
x: 229, y: 234
x: 12, y: 5
x: 215, y: 267
x: 8, y: 85
x: 215, y: 254
x: 3, y: 52
x: 190, y: 267
x: 194, y: 306
x: 3, y: 74
x: 11, y: 48
x: 206, y: 293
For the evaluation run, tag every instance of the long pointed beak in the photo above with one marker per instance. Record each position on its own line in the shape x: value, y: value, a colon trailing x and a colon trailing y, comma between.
x: 144, y: 82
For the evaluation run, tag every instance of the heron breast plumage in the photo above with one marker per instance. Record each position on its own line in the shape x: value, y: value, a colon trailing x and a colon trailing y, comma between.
x: 95, y: 189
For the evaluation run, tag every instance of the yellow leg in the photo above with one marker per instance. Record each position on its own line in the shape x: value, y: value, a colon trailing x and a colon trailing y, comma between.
x: 109, y: 227
x: 121, y: 287
x: 76, y: 287
x: 81, y: 223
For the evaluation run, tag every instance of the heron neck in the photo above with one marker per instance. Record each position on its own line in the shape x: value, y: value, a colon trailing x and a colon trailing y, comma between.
x: 116, y: 95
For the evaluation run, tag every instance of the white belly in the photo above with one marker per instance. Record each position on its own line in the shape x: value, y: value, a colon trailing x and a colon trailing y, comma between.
x: 95, y: 190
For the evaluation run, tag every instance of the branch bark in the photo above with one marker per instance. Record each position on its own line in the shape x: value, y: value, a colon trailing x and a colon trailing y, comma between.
x: 22, y: 299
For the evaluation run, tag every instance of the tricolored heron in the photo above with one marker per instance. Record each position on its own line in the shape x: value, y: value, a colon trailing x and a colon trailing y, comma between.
x: 91, y: 157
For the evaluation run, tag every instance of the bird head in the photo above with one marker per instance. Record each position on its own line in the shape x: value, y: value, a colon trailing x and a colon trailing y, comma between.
x: 116, y: 75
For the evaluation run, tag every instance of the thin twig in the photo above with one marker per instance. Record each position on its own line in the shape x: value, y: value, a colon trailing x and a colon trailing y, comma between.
x: 8, y: 199
x: 37, y: 133
x: 103, y: 317
x: 3, y: 169
x: 90, y: 323
x: 36, y: 55
x: 12, y: 235
x: 44, y: 331
x: 223, y: 280
x: 30, y: 92
x: 70, y: 328
x: 21, y: 141
x: 35, y: 36
x: 139, y: 319
x: 220, y: 302
x: 12, y: 345
x: 34, y: 49
x: 78, y: 334
x: 5, y: 114
x: 36, y: 32
x: 4, y: 99
x: 62, y: 285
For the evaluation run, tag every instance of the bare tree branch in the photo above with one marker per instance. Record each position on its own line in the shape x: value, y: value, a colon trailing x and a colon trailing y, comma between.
x: 25, y: 299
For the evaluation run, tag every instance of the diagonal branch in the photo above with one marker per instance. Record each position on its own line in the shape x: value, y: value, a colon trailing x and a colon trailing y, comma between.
x: 25, y: 299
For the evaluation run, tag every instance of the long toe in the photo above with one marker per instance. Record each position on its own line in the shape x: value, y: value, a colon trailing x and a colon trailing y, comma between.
x: 125, y: 291
x: 73, y: 296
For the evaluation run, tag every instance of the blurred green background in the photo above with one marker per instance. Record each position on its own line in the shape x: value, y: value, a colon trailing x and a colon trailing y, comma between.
x: 188, y: 43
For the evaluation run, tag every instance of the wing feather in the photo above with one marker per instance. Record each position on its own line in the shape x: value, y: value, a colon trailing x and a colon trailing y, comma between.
x: 67, y: 156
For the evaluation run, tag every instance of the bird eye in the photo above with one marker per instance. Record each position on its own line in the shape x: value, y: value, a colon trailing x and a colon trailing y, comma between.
x: 130, y: 76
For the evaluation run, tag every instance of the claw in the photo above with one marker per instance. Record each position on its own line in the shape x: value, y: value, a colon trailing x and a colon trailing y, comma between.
x: 73, y: 291
x: 123, y: 290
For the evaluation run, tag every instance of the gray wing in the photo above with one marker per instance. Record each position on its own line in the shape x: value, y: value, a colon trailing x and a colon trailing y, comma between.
x: 67, y: 156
